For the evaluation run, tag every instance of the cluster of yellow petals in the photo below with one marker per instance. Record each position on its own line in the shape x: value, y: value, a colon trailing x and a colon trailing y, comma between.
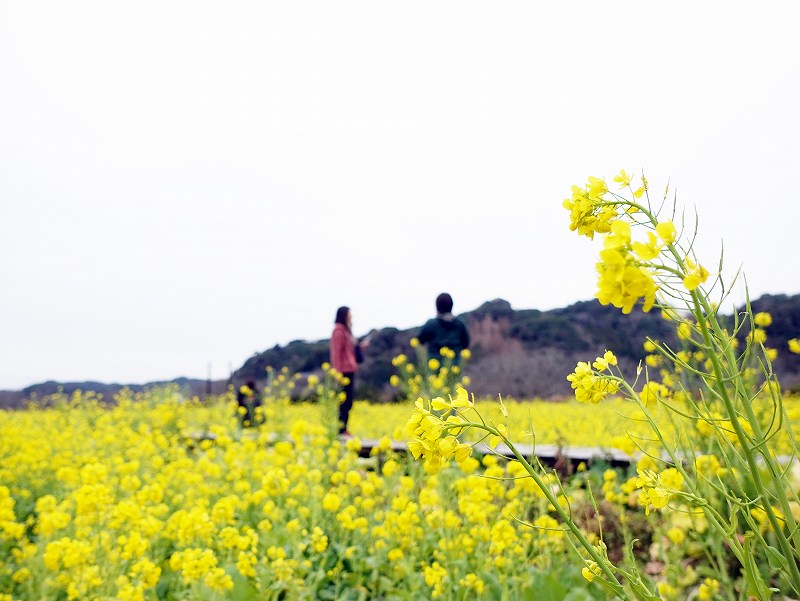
x: 709, y: 466
x: 430, y: 376
x: 624, y: 275
x: 435, y: 438
x: 763, y: 319
x: 126, y: 501
x: 652, y: 392
x: 588, y: 213
x: 589, y: 386
x: 695, y: 275
x: 591, y: 570
x: 657, y: 489
x: 626, y: 269
x: 708, y: 589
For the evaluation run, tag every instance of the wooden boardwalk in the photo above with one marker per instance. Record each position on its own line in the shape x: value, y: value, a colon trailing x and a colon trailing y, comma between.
x: 550, y: 455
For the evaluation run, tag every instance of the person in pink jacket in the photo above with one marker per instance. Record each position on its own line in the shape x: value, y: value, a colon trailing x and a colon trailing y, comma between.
x: 345, y: 350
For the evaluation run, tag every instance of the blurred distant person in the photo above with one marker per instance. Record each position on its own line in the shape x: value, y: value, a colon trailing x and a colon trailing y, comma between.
x: 444, y: 330
x: 248, y: 399
x: 346, y: 354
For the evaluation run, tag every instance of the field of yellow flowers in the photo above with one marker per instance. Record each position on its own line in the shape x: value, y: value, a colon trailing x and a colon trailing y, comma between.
x: 155, y: 496
x: 122, y: 501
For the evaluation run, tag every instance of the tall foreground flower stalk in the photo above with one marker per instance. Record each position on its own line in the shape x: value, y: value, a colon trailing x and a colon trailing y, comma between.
x: 721, y: 444
x: 743, y: 409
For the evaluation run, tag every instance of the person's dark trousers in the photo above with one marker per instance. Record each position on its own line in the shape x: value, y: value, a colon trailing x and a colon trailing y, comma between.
x: 347, y: 404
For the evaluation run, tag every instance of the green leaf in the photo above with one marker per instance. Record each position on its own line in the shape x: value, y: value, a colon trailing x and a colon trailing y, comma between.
x: 755, y: 583
x: 775, y: 558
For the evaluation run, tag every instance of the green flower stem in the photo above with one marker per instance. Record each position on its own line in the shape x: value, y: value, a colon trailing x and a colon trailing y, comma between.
x: 716, y: 559
x: 728, y: 371
x: 700, y: 305
x: 715, y: 519
x: 737, y: 382
x: 705, y: 316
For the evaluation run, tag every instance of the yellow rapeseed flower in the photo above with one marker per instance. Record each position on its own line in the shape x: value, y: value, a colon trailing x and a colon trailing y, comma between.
x: 684, y: 330
x: 667, y: 591
x: 653, y: 360
x: 602, y: 363
x: 762, y: 319
x: 218, y: 580
x: 652, y: 392
x: 621, y: 282
x: 708, y: 589
x: 494, y: 439
x: 666, y: 231
x: 331, y: 502
x: 671, y: 478
x: 460, y: 401
x: 676, y: 535
x: 588, y: 213
x: 708, y: 465
x: 695, y: 275
x: 623, y: 179
x: 647, y: 251
x: 591, y: 570
x: 588, y: 386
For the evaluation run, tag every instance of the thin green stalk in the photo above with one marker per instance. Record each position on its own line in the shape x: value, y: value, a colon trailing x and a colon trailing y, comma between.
x: 786, y: 548
x: 715, y: 519
x: 704, y: 315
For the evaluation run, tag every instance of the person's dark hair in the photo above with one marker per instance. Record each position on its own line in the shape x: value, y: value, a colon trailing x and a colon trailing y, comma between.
x: 341, y: 315
x: 444, y: 303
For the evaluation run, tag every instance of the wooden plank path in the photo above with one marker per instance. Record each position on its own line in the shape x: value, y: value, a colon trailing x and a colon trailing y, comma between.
x: 546, y: 454
x: 549, y: 455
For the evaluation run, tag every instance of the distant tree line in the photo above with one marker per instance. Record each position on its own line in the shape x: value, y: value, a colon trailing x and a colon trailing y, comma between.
x: 521, y: 354
x: 532, y: 351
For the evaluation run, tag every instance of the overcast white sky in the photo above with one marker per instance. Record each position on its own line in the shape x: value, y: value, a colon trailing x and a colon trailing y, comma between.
x: 183, y: 184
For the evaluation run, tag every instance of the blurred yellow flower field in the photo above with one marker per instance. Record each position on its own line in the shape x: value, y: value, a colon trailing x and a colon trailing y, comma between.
x: 126, y: 501
x: 157, y: 496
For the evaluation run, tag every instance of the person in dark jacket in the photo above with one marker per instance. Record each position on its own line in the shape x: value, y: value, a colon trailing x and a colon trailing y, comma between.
x: 445, y: 330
